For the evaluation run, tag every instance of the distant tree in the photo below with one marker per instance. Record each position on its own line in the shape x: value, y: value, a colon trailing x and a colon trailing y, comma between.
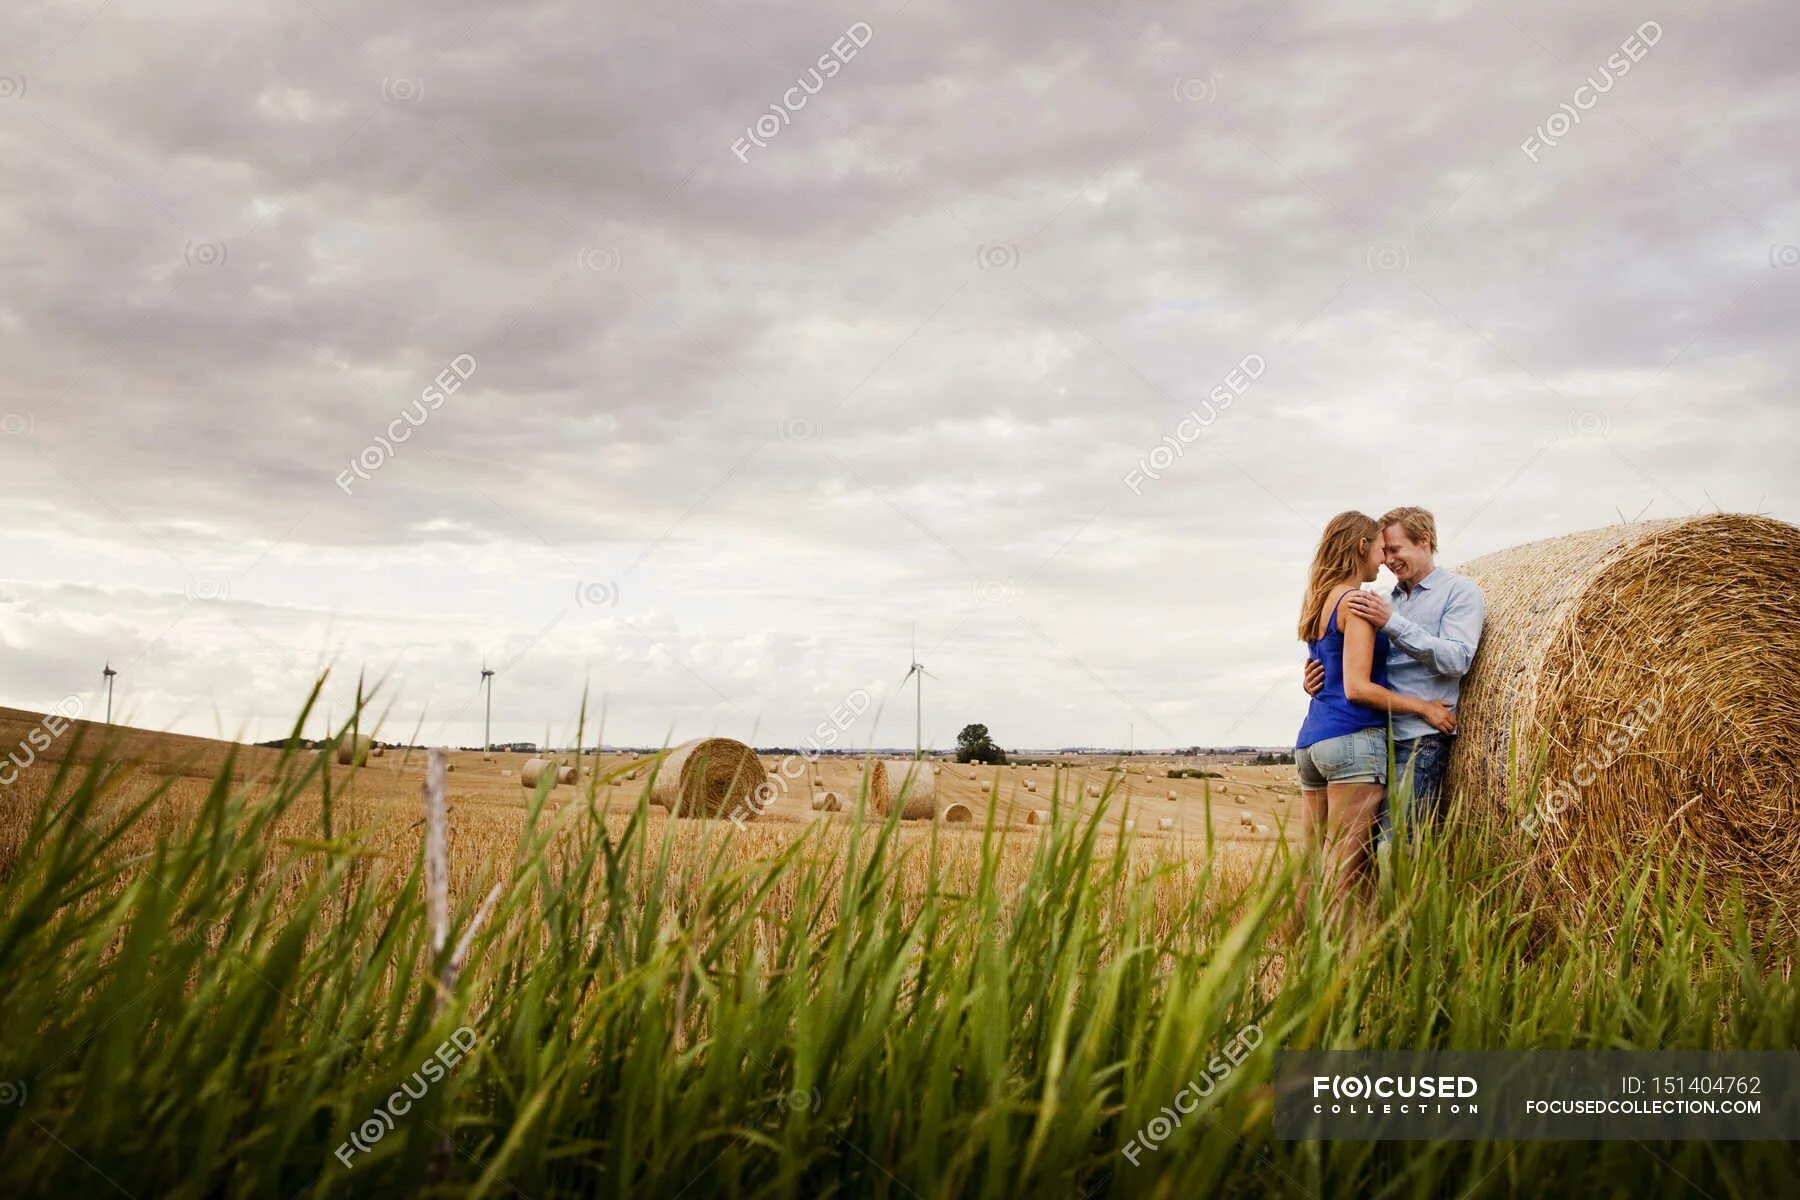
x: 974, y: 745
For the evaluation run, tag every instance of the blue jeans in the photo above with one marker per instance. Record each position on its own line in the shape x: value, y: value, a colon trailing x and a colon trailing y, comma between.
x: 1359, y: 757
x: 1419, y: 767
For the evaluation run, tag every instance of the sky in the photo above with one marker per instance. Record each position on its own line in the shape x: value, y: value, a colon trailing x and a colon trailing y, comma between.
x: 783, y: 337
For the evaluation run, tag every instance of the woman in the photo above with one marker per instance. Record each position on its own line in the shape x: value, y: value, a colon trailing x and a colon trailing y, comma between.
x: 1342, y: 751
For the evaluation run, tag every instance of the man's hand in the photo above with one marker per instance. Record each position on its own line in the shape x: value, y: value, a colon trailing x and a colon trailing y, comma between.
x: 1315, y: 676
x: 1440, y: 717
x: 1372, y: 607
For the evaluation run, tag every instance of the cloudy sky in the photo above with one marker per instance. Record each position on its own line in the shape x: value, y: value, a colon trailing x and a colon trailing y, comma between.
x: 787, y: 333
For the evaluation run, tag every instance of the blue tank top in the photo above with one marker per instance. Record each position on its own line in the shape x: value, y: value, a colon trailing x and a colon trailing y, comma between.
x: 1331, y: 713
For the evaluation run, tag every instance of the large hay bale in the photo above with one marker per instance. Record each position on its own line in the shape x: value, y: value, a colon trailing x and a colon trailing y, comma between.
x: 353, y: 749
x: 958, y: 812
x: 826, y: 802
x: 712, y: 777
x: 565, y: 774
x: 534, y: 769
x: 913, y: 783
x: 1652, y: 667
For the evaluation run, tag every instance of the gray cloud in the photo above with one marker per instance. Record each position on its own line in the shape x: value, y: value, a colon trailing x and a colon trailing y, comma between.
x: 890, y: 370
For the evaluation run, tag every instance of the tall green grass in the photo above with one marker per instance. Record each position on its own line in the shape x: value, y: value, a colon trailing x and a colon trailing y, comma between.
x: 214, y: 1017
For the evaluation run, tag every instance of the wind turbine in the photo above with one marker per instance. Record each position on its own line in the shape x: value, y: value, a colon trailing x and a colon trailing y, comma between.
x: 487, y: 729
x: 107, y: 674
x: 917, y: 668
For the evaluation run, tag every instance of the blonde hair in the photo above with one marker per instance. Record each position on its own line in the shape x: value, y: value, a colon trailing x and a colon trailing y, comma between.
x: 1339, y: 559
x: 1419, y: 525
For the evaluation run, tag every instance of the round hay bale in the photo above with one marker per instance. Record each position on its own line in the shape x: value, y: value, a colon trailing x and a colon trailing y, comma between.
x: 826, y: 802
x: 1035, y: 817
x: 1031, y: 785
x: 1165, y: 823
x: 1651, y: 665
x: 1129, y: 826
x: 1244, y: 818
x: 353, y: 749
x: 1171, y: 793
x: 534, y: 769
x: 565, y: 774
x: 958, y: 813
x: 917, y: 780
x: 377, y: 751
x: 1262, y: 829
x: 712, y: 777
x: 1093, y: 789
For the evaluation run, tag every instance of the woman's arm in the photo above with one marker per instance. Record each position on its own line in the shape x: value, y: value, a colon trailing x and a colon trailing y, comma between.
x: 1359, y: 659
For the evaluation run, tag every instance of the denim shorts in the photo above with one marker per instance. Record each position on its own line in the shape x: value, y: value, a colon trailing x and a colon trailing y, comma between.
x: 1360, y: 757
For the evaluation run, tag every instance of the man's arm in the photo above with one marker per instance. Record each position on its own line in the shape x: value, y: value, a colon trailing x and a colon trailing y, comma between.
x: 1451, y: 652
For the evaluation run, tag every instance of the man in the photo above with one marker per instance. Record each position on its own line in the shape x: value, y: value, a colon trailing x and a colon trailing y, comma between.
x: 1433, y: 622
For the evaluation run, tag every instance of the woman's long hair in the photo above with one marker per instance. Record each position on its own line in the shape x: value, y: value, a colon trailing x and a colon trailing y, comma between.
x: 1339, y: 559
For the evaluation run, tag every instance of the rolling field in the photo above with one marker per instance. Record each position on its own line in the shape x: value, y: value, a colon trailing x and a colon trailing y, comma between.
x: 220, y: 979
x: 488, y: 805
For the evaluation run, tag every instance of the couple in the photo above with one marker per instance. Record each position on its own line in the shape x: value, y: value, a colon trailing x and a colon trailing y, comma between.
x: 1379, y: 666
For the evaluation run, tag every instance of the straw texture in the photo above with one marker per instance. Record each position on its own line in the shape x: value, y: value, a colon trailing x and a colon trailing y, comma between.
x: 710, y: 777
x: 913, y: 783
x: 1651, y: 667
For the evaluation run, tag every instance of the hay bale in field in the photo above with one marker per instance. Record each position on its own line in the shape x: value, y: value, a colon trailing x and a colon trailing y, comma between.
x: 1035, y: 817
x: 1165, y: 823
x: 534, y: 769
x: 1651, y: 666
x: 565, y: 774
x: 958, y: 812
x: 353, y: 749
x: 1093, y: 789
x: 826, y: 802
x: 1244, y: 818
x: 712, y: 777
x: 917, y: 780
x: 1171, y: 793
x: 1129, y: 826
x: 1031, y: 785
x: 1262, y: 829
x: 506, y: 771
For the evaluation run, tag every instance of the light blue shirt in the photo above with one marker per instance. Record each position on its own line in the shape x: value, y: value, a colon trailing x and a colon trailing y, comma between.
x: 1432, y: 636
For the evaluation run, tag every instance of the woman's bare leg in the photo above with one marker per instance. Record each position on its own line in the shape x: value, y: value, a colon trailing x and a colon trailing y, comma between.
x: 1313, y: 813
x: 1350, y: 813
